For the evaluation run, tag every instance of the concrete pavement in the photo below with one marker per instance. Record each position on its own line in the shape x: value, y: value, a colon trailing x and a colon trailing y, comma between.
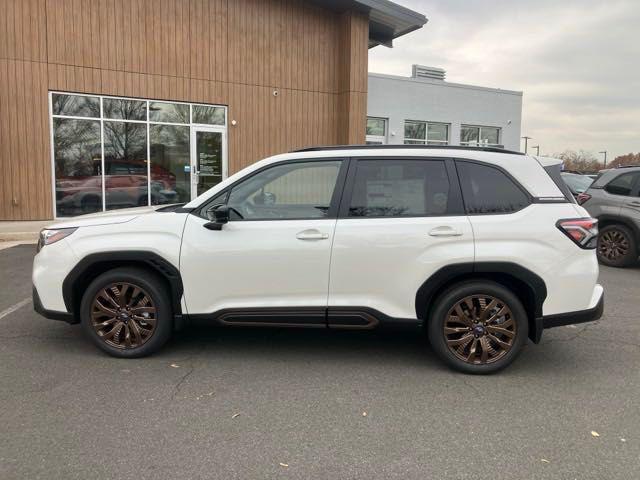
x: 248, y: 403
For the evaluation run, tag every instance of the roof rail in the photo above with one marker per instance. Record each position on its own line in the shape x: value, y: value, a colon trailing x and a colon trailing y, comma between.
x: 408, y: 147
x: 627, y: 166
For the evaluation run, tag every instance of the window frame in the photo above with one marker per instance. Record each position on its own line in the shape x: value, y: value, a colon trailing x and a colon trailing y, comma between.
x: 479, y: 143
x: 455, y: 206
x: 102, y: 119
x: 425, y: 140
x: 530, y: 198
x: 382, y: 139
x: 332, y: 213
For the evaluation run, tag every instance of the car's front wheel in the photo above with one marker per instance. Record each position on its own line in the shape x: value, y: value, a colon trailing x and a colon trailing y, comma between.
x: 478, y: 327
x: 126, y: 312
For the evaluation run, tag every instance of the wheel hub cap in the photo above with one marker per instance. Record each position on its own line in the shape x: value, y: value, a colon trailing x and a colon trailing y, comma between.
x: 123, y: 315
x: 480, y: 329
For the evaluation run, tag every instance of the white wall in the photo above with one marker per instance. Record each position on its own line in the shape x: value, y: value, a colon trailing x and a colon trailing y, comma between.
x: 403, y: 98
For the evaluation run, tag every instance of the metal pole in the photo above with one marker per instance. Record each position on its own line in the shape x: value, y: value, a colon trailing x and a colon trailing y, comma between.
x: 537, y: 147
x: 526, y: 143
x: 605, y: 158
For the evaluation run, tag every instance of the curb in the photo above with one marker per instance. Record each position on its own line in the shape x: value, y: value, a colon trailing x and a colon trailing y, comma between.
x: 18, y: 236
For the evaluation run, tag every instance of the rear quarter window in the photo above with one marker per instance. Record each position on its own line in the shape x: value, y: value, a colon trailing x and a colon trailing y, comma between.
x: 488, y: 190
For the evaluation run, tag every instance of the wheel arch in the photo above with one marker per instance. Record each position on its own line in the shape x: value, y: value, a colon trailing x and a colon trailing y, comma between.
x: 93, y: 265
x: 525, y: 284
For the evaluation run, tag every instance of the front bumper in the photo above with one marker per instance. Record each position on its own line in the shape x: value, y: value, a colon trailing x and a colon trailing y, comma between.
x: 52, y: 314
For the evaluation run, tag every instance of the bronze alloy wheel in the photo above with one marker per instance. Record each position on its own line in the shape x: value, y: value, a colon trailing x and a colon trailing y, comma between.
x: 613, y: 245
x: 123, y: 315
x: 480, y: 329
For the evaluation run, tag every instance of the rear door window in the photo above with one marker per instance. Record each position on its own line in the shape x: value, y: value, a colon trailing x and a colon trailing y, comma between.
x: 488, y: 190
x: 400, y: 188
x: 623, y: 184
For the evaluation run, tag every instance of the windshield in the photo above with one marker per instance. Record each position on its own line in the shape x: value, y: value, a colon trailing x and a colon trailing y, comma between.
x: 577, y: 183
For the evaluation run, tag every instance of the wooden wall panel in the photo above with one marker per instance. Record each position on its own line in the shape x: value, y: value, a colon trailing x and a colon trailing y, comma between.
x: 25, y: 165
x: 229, y: 52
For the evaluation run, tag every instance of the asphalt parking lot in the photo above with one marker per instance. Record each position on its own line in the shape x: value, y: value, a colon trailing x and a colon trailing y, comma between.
x: 222, y: 404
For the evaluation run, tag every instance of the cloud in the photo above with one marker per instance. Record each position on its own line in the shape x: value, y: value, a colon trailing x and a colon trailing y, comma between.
x: 575, y: 61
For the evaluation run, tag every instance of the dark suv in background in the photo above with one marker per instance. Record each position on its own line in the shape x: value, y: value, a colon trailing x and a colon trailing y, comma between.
x: 614, y: 199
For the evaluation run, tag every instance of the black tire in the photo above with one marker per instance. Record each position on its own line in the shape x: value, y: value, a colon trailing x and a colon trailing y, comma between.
x: 617, y: 246
x: 148, y: 284
x: 476, y: 290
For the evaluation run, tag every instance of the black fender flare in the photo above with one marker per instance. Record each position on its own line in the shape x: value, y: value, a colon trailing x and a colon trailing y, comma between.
x: 94, y: 264
x: 461, y: 271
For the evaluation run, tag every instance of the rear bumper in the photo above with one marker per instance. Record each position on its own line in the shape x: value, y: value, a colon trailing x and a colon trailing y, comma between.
x: 581, y: 316
x: 51, y: 314
x: 570, y: 318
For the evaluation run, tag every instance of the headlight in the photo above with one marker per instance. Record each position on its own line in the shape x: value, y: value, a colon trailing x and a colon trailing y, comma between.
x: 47, y: 237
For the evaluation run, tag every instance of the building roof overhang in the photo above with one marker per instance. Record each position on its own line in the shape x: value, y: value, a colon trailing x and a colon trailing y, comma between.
x: 387, y: 20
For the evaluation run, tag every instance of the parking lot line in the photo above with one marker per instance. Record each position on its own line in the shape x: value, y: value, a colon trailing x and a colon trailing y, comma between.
x: 15, y: 307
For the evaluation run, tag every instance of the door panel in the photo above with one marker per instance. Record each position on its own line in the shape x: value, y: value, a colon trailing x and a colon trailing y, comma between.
x: 275, y: 250
x: 381, y: 263
x: 401, y: 220
x: 255, y: 264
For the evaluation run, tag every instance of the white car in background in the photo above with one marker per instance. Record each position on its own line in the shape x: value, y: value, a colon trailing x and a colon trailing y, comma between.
x: 481, y: 247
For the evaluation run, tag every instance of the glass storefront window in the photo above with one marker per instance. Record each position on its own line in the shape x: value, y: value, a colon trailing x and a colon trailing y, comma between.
x: 168, y: 112
x: 111, y: 153
x: 122, y: 108
x: 208, y: 115
x: 125, y: 165
x: 75, y: 105
x: 77, y: 164
x: 170, y: 164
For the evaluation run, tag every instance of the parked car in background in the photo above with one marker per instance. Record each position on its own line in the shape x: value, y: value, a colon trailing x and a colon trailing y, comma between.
x: 577, y: 183
x: 614, y: 199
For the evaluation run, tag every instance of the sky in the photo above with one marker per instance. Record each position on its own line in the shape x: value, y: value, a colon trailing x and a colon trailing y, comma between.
x: 577, y: 62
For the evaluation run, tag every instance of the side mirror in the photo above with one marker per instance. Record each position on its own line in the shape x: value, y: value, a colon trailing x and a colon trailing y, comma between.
x: 218, y: 216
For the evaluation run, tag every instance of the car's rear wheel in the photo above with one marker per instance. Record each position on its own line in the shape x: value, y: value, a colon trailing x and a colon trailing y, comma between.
x: 616, y: 246
x: 126, y: 312
x: 478, y: 327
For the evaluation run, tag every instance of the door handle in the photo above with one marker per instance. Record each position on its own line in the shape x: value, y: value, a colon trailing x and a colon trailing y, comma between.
x: 312, y: 234
x: 445, y: 231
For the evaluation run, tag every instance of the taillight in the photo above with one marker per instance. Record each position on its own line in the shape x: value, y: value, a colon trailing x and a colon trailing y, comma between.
x: 583, y: 231
x: 583, y: 197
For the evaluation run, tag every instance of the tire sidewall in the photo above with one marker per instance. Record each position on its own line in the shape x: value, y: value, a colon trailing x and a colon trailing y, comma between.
x: 154, y: 286
x: 625, y: 260
x: 456, y: 293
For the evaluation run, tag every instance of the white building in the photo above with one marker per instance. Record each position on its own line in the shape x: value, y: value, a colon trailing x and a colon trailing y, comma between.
x: 425, y: 109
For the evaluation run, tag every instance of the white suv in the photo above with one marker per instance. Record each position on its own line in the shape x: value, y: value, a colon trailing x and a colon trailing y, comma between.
x: 480, y: 247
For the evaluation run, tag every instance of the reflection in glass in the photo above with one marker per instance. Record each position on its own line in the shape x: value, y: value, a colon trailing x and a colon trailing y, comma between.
x: 77, y: 159
x: 415, y: 130
x: 376, y: 126
x: 438, y: 132
x: 125, y: 164
x: 469, y: 135
x: 170, y: 181
x: 124, y: 109
x: 168, y: 112
x: 489, y: 135
x: 209, y: 159
x: 208, y: 115
x: 75, y: 105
